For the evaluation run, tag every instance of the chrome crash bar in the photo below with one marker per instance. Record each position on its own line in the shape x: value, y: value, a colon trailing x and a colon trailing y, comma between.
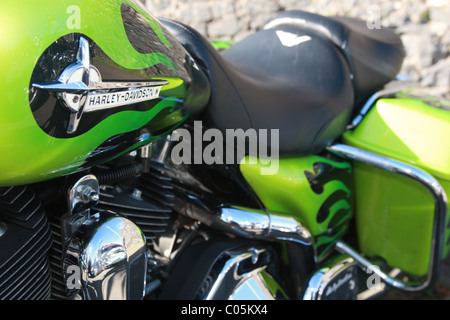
x: 440, y: 199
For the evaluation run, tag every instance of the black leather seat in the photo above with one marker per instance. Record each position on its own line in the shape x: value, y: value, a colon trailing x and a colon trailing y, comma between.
x: 303, y: 75
x: 303, y: 90
x: 375, y: 55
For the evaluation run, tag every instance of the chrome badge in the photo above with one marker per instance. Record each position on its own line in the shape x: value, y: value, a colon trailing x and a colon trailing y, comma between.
x: 80, y: 88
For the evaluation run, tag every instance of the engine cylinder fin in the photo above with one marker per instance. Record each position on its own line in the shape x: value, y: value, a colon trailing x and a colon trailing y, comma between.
x: 157, y: 215
x: 59, y: 291
x: 159, y: 176
x: 17, y: 273
x: 10, y: 195
x: 150, y: 221
x: 154, y: 194
x: 19, y: 206
x: 24, y: 265
x: 161, y: 188
x: 128, y: 202
x: 148, y: 205
x: 158, y: 167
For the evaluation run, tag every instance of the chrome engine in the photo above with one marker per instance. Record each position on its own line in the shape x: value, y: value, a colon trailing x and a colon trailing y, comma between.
x: 106, y: 259
x: 106, y: 238
x: 123, y: 239
x: 121, y: 244
x: 131, y: 230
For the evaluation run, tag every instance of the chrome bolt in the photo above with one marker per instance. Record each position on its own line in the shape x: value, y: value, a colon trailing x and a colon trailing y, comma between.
x: 255, y: 255
x: 137, y: 194
x: 89, y: 195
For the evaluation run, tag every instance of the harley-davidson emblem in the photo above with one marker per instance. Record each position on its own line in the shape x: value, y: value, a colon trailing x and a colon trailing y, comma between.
x: 80, y: 88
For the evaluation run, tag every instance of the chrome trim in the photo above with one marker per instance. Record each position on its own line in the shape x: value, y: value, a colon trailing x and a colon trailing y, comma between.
x: 318, y: 288
x: 83, y: 57
x: 110, y: 253
x: 80, y: 81
x: 73, y: 85
x: 253, y: 288
x: 81, y: 197
x: 161, y: 148
x: 3, y: 229
x: 433, y: 187
x: 145, y: 154
x: 145, y: 151
x: 233, y: 283
x: 80, y: 87
x: 85, y: 191
x: 394, y: 87
x: 253, y: 223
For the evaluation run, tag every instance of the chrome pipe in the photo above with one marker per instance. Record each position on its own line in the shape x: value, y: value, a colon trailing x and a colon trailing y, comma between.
x: 253, y: 224
x: 430, y: 183
x: 260, y: 224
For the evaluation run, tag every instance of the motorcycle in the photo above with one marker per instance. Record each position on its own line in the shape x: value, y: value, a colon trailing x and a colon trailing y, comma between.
x: 139, y: 161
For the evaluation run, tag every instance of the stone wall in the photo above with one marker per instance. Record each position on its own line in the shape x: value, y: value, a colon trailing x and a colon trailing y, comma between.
x: 424, y: 25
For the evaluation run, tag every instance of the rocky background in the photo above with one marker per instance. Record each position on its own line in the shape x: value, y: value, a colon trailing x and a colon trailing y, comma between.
x: 424, y: 26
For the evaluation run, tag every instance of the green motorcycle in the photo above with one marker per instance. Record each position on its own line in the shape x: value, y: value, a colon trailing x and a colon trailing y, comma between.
x: 141, y: 162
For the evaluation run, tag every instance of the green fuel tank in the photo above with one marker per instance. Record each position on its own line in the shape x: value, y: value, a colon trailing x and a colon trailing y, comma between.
x: 86, y: 81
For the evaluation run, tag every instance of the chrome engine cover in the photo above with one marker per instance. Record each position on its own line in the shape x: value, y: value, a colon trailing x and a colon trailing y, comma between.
x: 243, y: 273
x: 223, y: 270
x: 106, y: 259
x: 337, y: 280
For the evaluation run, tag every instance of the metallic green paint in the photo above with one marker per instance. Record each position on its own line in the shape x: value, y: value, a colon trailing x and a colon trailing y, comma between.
x: 29, y: 27
x: 395, y: 215
x: 222, y: 44
x: 310, y: 188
